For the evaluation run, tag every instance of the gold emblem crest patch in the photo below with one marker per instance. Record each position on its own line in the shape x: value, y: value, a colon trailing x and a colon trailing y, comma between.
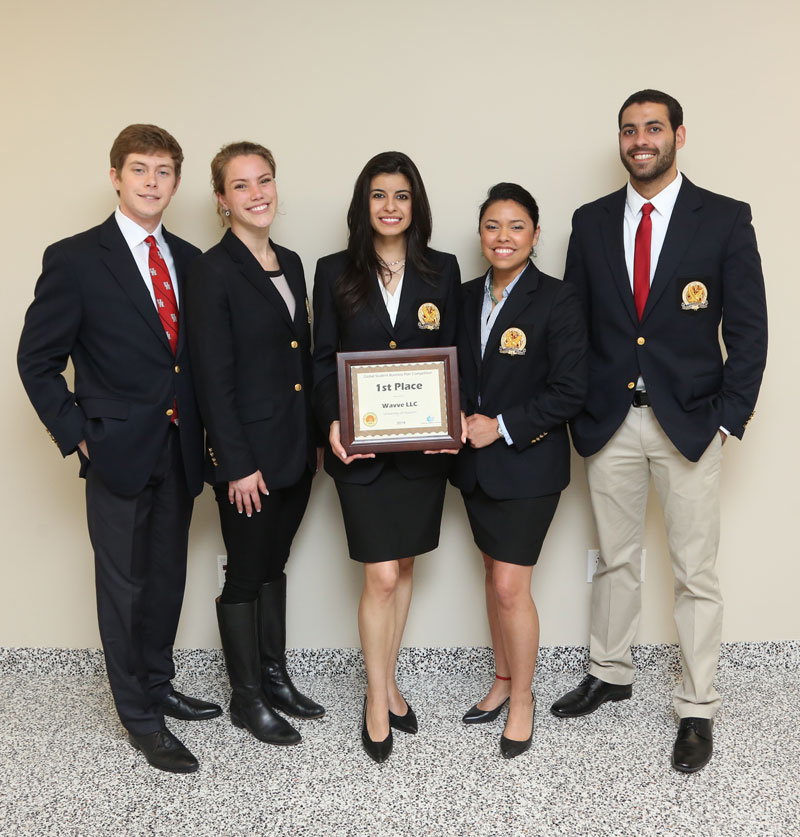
x: 428, y: 316
x: 694, y: 296
x: 513, y: 341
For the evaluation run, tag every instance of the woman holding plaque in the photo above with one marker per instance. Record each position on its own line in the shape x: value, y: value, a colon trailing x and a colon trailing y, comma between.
x: 250, y: 338
x: 388, y: 290
x: 522, y: 360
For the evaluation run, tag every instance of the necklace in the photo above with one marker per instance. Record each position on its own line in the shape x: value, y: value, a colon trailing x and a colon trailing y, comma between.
x: 386, y: 268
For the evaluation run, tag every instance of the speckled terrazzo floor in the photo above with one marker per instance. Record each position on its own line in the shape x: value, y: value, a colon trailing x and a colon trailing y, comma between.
x: 66, y: 768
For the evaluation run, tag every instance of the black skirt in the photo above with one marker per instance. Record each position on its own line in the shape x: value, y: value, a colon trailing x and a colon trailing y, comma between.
x: 511, y: 531
x: 392, y: 517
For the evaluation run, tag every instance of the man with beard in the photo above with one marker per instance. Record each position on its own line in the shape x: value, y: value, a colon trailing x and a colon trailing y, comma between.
x: 659, y: 265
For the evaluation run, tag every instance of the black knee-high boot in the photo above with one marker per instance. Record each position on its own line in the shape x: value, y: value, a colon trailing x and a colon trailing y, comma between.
x: 275, y: 680
x: 250, y: 708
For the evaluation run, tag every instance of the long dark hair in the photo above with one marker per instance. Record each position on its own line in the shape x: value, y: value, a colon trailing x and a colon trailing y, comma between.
x: 352, y: 287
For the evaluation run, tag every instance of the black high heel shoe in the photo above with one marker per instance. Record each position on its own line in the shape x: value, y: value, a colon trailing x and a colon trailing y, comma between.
x: 378, y: 751
x: 404, y: 723
x: 474, y: 715
x: 510, y: 748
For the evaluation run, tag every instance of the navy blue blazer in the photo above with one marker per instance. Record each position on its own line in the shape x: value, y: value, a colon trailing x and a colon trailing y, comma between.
x: 537, y: 392
x: 676, y: 348
x: 370, y: 329
x: 252, y: 365
x: 92, y: 306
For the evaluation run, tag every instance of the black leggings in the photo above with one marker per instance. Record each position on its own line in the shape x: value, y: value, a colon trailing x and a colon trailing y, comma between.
x: 258, y: 546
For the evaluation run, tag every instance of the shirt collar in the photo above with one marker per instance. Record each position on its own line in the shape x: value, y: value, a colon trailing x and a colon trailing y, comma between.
x: 135, y: 235
x: 487, y: 285
x: 663, y: 202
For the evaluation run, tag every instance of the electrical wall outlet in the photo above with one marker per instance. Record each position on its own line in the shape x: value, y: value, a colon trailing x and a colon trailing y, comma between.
x: 222, y: 566
x: 593, y: 556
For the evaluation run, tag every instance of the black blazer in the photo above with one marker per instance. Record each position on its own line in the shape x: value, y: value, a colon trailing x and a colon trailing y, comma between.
x: 91, y: 305
x: 252, y: 365
x: 693, y: 392
x: 537, y: 392
x: 371, y: 330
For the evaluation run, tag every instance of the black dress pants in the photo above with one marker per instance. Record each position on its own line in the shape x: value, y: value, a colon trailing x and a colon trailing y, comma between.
x: 258, y: 546
x: 140, y: 548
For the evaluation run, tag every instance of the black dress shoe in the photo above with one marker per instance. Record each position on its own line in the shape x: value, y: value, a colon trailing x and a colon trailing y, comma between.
x: 511, y: 748
x: 164, y: 751
x: 694, y: 745
x: 378, y: 751
x: 590, y: 694
x: 186, y: 708
x: 404, y: 723
x: 474, y: 715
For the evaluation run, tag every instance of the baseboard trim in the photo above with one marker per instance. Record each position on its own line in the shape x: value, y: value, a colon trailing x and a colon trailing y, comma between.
x: 782, y: 655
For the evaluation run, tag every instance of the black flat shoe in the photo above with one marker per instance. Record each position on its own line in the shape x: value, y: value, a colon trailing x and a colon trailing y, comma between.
x: 474, y: 715
x: 694, y: 745
x: 186, y: 708
x: 404, y: 723
x: 590, y: 694
x: 164, y: 751
x: 378, y: 751
x: 510, y: 748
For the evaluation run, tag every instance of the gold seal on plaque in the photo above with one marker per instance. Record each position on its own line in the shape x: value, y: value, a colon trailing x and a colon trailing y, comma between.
x: 513, y: 341
x: 694, y: 296
x: 429, y: 316
x: 308, y: 311
x: 370, y: 419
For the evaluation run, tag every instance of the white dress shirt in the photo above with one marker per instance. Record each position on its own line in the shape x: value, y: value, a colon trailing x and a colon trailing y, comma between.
x: 663, y: 204
x: 391, y: 301
x: 134, y: 236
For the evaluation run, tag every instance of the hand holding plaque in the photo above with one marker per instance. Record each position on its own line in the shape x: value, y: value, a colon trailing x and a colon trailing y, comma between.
x: 399, y: 400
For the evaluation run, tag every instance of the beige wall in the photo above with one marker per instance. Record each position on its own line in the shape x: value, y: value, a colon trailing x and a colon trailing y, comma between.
x: 475, y: 92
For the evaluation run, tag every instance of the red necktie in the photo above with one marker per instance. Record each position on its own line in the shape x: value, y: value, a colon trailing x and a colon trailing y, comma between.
x: 641, y: 260
x: 166, y: 303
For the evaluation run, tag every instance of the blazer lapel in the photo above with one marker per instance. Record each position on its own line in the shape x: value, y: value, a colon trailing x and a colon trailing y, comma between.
x: 119, y: 260
x: 378, y: 307
x: 472, y: 311
x: 517, y: 301
x: 683, y: 224
x: 412, y: 290
x: 254, y: 273
x: 297, y: 286
x: 612, y: 230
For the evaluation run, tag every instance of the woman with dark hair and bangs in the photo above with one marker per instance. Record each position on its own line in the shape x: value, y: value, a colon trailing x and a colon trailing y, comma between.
x: 387, y: 290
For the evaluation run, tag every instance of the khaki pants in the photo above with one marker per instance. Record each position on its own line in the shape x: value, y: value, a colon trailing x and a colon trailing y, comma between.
x: 619, y: 479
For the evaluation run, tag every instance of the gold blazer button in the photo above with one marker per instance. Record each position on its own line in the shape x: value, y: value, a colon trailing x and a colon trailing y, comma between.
x: 298, y: 387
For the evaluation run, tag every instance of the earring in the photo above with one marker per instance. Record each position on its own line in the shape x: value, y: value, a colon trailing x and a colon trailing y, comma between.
x: 227, y: 213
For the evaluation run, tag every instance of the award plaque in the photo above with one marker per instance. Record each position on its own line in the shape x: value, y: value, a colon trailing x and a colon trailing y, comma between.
x: 401, y: 399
